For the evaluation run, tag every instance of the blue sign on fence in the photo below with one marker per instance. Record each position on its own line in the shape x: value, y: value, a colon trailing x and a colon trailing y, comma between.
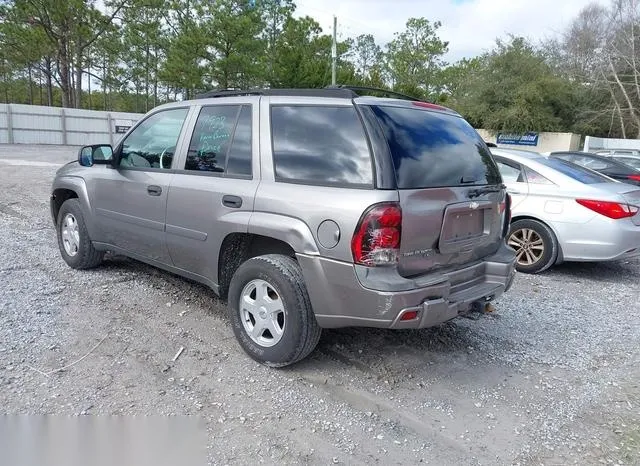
x: 526, y: 139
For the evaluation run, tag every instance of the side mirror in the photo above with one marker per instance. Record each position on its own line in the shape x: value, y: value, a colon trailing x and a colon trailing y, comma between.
x: 98, y: 154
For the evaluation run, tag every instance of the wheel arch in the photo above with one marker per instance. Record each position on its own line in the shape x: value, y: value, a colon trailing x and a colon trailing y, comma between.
x: 72, y: 186
x: 237, y: 248
x: 58, y: 197
x: 560, y: 257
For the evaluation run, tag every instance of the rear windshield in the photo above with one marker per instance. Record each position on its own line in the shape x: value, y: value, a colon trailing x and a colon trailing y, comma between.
x: 573, y: 171
x: 431, y: 149
x: 635, y: 163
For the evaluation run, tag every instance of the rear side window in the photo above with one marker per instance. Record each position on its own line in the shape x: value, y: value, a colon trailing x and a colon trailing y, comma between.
x: 511, y: 173
x: 221, y: 141
x: 533, y: 177
x: 432, y: 150
x: 239, y: 158
x: 573, y: 171
x: 320, y: 145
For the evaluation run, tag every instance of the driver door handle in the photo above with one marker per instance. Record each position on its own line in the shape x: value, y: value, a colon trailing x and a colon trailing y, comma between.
x: 154, y: 190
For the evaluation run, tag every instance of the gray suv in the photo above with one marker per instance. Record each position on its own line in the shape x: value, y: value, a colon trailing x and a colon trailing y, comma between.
x: 303, y: 208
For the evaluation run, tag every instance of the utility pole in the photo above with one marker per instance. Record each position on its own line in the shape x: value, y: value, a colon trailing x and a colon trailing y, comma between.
x: 334, y: 53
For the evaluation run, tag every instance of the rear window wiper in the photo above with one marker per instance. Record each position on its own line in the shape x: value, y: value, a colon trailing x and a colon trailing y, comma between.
x: 485, y: 190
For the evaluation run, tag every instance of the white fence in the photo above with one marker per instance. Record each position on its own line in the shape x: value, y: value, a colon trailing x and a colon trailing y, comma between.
x: 33, y: 124
x: 591, y: 143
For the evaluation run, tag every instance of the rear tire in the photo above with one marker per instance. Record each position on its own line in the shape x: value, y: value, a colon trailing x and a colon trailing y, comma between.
x: 73, y: 238
x: 535, y: 244
x: 270, y: 311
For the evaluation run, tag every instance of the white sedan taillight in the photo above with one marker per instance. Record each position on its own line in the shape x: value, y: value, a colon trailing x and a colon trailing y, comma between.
x: 614, y: 210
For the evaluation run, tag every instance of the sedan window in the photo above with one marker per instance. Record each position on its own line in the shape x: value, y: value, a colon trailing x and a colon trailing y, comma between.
x: 533, y: 177
x: 574, y: 171
x: 510, y: 173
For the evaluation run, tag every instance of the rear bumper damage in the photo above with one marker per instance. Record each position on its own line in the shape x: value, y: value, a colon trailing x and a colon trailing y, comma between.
x: 340, y: 298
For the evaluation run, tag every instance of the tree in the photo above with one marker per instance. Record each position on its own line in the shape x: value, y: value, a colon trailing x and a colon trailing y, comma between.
x: 455, y: 80
x: 414, y: 58
x: 26, y: 47
x: 234, y: 47
x: 514, y: 89
x: 70, y: 28
x: 600, y: 52
x: 620, y: 63
x: 302, y: 55
x: 275, y: 14
x: 143, y: 38
x: 368, y: 59
x: 184, y: 66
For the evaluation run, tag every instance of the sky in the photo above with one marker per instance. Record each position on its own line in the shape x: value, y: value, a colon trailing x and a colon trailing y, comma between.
x: 470, y: 26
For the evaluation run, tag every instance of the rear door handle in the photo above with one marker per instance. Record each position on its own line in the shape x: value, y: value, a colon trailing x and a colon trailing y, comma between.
x: 234, y: 202
x: 154, y: 190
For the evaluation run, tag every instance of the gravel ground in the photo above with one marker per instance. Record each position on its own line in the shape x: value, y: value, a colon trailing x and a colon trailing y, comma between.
x: 552, y: 377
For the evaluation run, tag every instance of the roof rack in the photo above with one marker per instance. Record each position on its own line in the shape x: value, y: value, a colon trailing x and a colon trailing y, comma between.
x: 386, y: 92
x: 342, y: 93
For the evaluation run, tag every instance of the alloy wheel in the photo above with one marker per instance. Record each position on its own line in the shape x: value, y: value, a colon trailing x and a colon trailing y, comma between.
x: 529, y: 246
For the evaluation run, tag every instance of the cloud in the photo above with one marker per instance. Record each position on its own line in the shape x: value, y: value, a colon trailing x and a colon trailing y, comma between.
x: 470, y: 26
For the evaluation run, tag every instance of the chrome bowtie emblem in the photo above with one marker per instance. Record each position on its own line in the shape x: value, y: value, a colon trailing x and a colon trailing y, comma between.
x: 474, y: 205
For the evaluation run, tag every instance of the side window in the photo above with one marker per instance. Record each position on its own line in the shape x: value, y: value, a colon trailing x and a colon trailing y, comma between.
x: 534, y: 177
x: 320, y: 144
x: 239, y: 159
x: 211, y: 138
x: 152, y: 144
x: 510, y: 173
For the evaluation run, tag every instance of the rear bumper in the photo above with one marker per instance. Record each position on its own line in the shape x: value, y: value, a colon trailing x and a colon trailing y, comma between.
x: 340, y: 299
x: 601, y: 239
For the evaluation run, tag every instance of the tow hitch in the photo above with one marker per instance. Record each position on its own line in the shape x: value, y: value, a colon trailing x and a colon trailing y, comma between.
x: 479, y: 308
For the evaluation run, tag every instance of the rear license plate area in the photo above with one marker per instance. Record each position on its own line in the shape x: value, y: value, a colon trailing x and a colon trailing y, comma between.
x: 461, y: 226
x: 465, y: 227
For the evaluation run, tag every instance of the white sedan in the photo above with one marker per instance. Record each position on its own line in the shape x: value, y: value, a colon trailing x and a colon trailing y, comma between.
x: 563, y: 212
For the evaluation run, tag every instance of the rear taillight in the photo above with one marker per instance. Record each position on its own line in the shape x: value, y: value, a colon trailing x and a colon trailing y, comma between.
x: 505, y: 208
x: 376, y: 240
x: 634, y: 177
x: 612, y: 210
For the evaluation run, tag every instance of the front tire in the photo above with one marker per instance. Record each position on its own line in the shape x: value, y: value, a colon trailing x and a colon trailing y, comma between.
x: 73, y: 238
x: 535, y: 244
x: 270, y: 311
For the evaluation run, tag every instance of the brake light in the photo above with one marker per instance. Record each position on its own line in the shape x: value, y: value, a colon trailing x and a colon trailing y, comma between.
x: 612, y: 210
x: 429, y: 105
x: 634, y: 177
x: 376, y: 240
